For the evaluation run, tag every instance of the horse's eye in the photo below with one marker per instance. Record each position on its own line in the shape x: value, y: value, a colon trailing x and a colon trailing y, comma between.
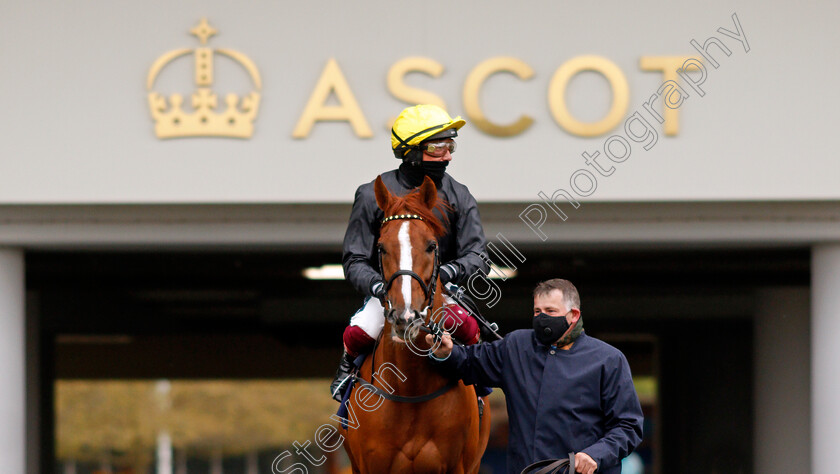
x: 381, y: 249
x: 431, y: 247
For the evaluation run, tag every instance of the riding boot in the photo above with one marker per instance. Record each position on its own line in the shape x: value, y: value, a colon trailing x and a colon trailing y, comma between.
x: 342, y: 376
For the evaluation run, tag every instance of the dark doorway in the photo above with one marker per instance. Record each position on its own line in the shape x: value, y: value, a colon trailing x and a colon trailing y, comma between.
x: 251, y: 315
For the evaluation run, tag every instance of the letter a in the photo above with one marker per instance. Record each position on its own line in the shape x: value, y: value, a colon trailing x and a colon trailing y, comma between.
x: 332, y: 81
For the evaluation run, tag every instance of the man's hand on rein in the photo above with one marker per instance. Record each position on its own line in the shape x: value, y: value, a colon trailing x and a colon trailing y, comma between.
x: 585, y: 464
x: 445, y: 347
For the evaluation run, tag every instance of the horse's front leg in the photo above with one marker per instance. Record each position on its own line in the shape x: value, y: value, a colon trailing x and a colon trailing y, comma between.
x: 460, y: 470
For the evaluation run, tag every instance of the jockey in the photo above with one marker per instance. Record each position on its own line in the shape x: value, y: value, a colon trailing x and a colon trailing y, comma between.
x: 422, y: 137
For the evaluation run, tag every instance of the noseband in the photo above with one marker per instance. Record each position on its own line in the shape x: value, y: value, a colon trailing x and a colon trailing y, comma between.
x: 428, y: 289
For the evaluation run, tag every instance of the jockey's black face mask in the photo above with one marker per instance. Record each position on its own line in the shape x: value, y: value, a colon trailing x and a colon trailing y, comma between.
x: 432, y: 169
x: 549, y: 329
x: 435, y: 170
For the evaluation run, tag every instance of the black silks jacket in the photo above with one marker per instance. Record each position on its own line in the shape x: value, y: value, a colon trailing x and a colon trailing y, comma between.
x: 461, y: 246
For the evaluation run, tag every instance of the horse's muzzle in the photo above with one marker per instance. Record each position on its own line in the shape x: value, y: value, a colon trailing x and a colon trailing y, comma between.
x: 405, y: 323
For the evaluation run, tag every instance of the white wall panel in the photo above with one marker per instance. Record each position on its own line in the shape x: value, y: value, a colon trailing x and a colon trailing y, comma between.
x: 76, y: 126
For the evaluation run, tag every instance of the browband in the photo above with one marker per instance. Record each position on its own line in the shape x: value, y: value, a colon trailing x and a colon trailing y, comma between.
x: 401, y: 216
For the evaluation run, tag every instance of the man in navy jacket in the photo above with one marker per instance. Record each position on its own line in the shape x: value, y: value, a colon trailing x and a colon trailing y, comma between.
x: 566, y: 392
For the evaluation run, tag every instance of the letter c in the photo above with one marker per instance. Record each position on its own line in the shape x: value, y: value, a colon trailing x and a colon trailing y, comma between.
x: 472, y: 89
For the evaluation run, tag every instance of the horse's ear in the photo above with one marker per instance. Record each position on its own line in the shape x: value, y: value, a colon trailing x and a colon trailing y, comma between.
x: 428, y: 192
x: 383, y: 196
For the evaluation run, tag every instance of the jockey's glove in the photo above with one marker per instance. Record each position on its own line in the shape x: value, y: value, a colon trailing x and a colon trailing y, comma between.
x: 454, y: 290
x: 448, y: 272
x: 378, y: 290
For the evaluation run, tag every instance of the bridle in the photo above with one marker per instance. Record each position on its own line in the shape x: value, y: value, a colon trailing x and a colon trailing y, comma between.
x: 430, y: 288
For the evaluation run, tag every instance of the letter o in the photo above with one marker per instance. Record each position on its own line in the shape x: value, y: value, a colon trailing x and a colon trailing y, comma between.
x: 557, y: 95
x: 593, y: 183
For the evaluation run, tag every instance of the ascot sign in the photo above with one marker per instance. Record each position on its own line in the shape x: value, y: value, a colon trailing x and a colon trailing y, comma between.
x: 236, y: 121
x: 332, y: 81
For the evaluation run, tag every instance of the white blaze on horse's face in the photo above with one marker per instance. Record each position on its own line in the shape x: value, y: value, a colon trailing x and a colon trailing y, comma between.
x: 405, y: 264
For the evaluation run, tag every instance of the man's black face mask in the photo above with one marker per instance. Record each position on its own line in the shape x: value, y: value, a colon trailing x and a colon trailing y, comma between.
x: 549, y: 328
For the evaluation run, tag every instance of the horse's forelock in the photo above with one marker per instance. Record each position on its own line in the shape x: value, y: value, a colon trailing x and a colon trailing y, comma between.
x: 412, y: 203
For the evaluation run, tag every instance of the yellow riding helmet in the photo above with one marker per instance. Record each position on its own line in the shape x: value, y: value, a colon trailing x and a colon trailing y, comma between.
x: 419, y: 123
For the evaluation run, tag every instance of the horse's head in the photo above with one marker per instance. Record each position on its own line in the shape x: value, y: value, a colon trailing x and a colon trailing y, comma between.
x: 408, y: 254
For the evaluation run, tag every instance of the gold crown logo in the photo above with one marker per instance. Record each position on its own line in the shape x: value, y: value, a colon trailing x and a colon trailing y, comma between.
x: 236, y: 121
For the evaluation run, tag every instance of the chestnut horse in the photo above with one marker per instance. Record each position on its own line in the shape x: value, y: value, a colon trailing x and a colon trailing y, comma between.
x: 435, y: 426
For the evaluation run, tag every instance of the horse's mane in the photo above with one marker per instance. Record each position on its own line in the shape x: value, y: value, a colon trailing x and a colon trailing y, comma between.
x: 412, y: 203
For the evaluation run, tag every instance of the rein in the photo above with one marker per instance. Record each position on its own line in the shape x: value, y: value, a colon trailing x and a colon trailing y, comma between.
x: 490, y: 329
x: 552, y: 466
x: 399, y: 398
x: 429, y: 291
